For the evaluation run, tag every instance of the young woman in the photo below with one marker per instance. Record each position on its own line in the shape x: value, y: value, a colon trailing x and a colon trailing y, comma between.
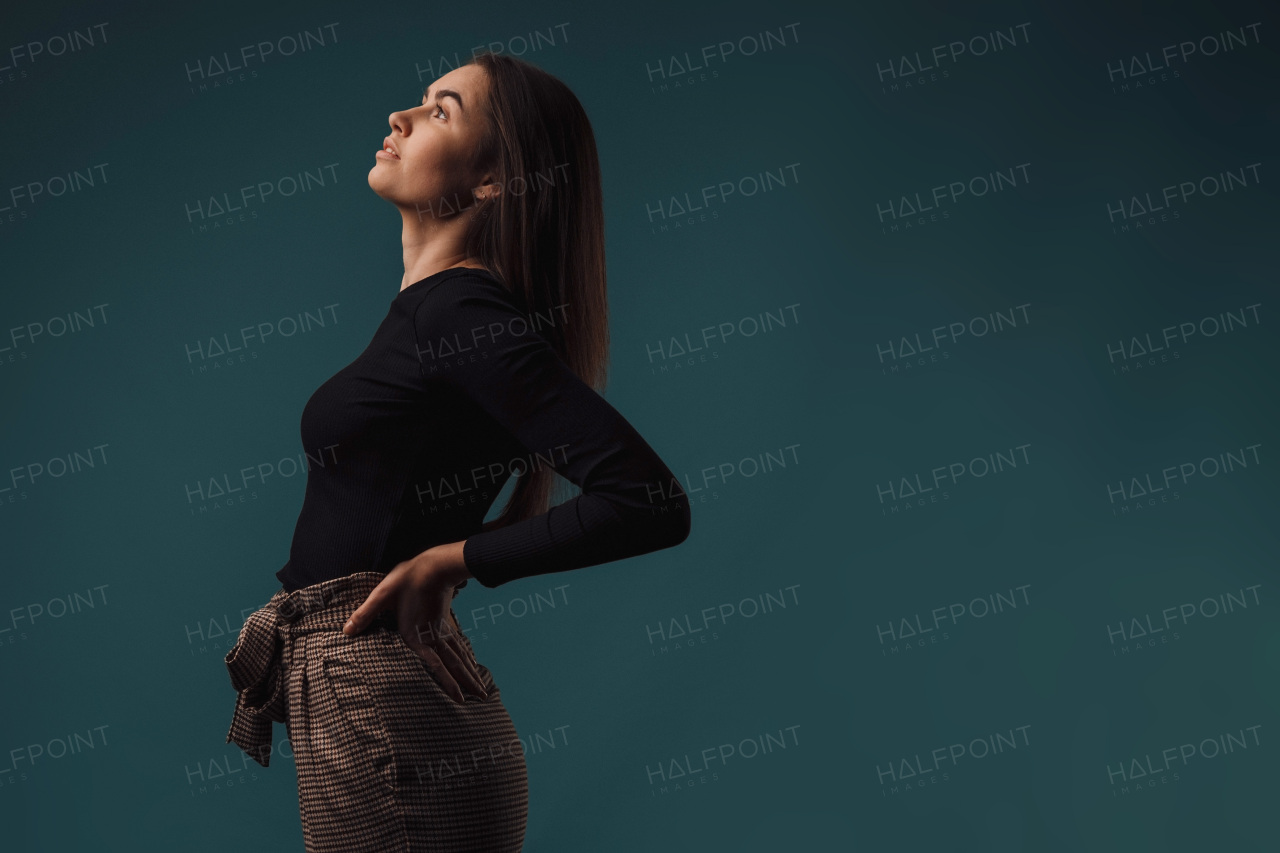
x: 484, y: 368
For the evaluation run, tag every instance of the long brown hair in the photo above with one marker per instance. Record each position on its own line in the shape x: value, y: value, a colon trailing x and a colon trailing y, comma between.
x: 542, y: 234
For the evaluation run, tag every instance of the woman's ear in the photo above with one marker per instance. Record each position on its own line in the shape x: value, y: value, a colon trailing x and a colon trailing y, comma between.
x: 488, y: 189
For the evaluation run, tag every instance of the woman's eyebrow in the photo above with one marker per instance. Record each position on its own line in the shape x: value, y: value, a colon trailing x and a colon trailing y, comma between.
x: 444, y: 93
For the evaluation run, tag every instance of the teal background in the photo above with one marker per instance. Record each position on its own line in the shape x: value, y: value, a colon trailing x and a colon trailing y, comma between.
x: 585, y: 675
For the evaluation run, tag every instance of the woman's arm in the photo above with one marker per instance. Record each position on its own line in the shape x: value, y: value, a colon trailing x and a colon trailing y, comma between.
x: 473, y: 339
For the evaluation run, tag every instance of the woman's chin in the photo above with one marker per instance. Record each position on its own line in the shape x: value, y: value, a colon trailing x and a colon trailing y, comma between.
x: 377, y: 184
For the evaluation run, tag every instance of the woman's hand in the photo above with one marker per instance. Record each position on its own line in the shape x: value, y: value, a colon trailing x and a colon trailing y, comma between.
x: 421, y: 591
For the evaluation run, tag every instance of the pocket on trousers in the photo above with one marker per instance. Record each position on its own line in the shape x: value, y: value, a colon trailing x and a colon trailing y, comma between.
x: 365, y: 744
x: 420, y: 664
x: 402, y: 647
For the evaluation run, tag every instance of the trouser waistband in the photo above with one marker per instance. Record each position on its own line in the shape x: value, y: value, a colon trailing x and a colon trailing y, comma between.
x: 327, y: 605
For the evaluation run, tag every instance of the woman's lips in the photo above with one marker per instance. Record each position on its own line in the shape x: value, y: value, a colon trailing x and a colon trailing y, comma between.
x: 386, y: 154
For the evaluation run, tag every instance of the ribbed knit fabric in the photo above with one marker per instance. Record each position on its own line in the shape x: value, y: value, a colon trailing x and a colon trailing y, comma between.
x: 409, y: 445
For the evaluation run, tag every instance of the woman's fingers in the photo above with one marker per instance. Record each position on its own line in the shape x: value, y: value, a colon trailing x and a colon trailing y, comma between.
x: 441, y: 672
x: 450, y: 663
x: 464, y: 646
x: 463, y: 670
x: 463, y: 651
x: 440, y: 643
x: 446, y: 667
x: 374, y: 602
x: 430, y: 628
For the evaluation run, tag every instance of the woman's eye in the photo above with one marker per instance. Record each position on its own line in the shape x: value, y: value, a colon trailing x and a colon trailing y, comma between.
x: 440, y: 111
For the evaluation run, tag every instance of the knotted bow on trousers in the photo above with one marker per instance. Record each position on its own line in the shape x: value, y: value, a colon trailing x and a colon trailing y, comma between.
x: 259, y: 664
x: 260, y: 660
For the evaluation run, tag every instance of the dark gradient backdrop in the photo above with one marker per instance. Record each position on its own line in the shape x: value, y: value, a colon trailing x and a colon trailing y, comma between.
x: 955, y: 320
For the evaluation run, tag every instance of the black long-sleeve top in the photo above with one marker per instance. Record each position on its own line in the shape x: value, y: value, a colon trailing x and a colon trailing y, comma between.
x: 409, y: 445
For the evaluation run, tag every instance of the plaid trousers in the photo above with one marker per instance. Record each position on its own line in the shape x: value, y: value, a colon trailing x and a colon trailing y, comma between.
x: 386, y: 760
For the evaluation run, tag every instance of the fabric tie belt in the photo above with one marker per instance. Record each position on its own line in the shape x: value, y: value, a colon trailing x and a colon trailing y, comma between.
x: 260, y: 660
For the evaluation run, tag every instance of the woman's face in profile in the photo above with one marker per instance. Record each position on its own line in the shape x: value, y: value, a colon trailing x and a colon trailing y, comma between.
x: 430, y: 171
